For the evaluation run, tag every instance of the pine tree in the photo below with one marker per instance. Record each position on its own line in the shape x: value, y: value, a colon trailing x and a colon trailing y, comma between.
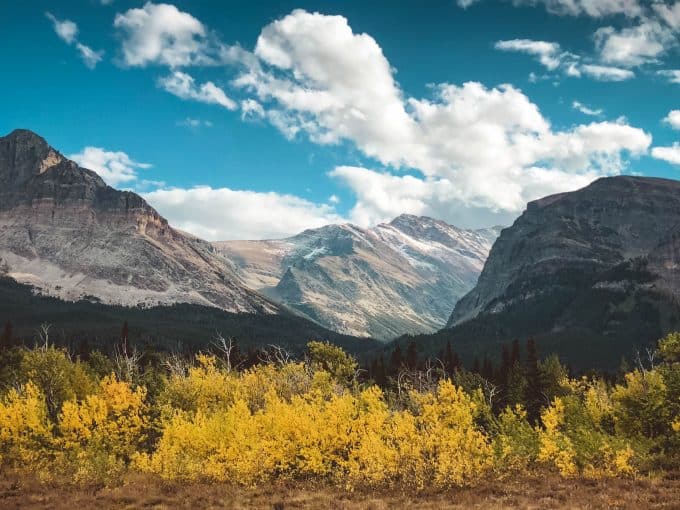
x: 515, y: 355
x: 6, y: 337
x: 83, y: 350
x: 534, y: 391
x: 475, y: 366
x: 412, y: 355
x: 396, y: 359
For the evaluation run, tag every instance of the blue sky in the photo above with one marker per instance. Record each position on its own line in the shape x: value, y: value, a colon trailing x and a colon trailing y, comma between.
x: 248, y: 119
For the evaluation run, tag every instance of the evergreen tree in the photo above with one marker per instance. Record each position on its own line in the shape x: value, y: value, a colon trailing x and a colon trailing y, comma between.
x: 6, y: 337
x: 505, y: 365
x: 83, y: 350
x: 412, y: 355
x: 396, y: 359
x: 534, y: 390
x: 379, y: 375
x: 515, y: 355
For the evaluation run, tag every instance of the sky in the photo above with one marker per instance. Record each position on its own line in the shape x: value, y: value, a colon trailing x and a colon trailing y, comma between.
x: 259, y: 119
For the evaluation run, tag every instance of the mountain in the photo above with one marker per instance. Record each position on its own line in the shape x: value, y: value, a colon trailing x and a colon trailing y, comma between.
x: 67, y: 233
x: 593, y: 275
x: 399, y: 277
x: 108, y: 257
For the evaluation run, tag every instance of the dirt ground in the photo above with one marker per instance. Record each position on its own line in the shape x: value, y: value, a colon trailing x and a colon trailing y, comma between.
x: 535, y: 491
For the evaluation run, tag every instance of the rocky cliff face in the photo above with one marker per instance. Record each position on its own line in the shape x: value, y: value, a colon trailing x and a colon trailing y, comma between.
x: 575, y: 239
x: 396, y: 278
x: 67, y: 233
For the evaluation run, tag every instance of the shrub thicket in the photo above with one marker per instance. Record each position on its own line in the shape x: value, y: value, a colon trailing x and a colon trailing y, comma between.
x: 210, y: 420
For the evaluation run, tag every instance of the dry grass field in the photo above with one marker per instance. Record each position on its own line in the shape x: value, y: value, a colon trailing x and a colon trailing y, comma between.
x: 542, y: 490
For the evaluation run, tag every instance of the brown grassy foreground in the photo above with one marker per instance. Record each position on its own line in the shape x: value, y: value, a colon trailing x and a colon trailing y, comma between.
x: 542, y: 490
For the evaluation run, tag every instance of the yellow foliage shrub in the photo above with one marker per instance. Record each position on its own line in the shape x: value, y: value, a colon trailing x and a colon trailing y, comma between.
x: 350, y: 439
x: 100, y: 434
x: 25, y: 430
x: 575, y: 439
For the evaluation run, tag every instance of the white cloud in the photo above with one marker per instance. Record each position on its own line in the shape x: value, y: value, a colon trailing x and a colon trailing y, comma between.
x: 114, y: 167
x: 577, y: 105
x: 68, y: 32
x: 669, y: 14
x: 251, y: 109
x: 90, y: 57
x: 184, y: 86
x: 673, y: 119
x: 476, y: 148
x: 607, y: 73
x: 633, y: 46
x: 673, y: 75
x: 592, y: 8
x: 194, y: 123
x: 669, y: 154
x: 552, y: 57
x: 464, y: 4
x: 548, y: 53
x: 223, y: 214
x: 334, y: 199
x: 162, y: 34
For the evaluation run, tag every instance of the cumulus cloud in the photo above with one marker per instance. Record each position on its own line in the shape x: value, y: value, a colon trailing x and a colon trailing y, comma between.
x: 114, y: 167
x: 475, y: 148
x: 673, y: 119
x: 224, y: 214
x: 669, y: 154
x: 548, y: 53
x: 607, y: 73
x: 67, y: 31
x: 633, y: 46
x: 162, y: 34
x: 673, y: 75
x: 577, y: 105
x: 184, y: 86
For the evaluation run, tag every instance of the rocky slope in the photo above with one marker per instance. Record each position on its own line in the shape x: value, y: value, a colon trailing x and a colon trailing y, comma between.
x: 593, y: 275
x: 392, y: 279
x: 65, y: 232
x: 586, y: 232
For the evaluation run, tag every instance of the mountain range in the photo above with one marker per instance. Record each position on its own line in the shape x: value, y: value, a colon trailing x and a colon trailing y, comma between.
x: 398, y: 277
x: 67, y: 235
x: 593, y: 274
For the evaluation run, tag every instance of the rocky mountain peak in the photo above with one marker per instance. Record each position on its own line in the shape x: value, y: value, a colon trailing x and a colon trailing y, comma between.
x: 24, y: 154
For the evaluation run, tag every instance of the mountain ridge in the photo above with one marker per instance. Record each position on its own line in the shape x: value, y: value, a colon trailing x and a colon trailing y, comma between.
x: 397, y: 277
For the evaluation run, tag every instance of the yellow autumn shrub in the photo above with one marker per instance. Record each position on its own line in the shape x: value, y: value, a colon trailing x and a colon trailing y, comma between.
x: 516, y: 443
x: 576, y: 440
x: 25, y: 429
x: 99, y: 435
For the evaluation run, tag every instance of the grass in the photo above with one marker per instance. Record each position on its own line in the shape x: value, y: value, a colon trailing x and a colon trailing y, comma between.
x: 536, y: 490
